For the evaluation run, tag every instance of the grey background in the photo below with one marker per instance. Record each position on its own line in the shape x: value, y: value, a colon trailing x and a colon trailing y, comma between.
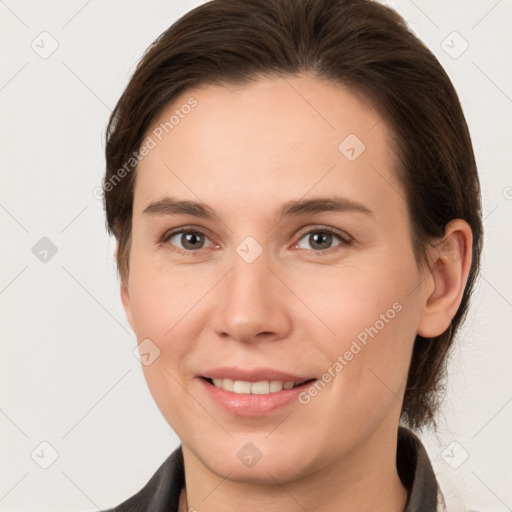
x: 69, y: 378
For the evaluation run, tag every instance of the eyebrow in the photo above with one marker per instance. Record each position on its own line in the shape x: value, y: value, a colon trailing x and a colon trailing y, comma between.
x: 170, y: 206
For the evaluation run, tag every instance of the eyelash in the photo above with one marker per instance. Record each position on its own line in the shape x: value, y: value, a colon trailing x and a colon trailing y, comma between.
x: 344, y: 238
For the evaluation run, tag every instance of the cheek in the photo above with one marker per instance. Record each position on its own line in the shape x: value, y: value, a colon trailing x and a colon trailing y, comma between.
x: 372, y: 312
x: 164, y: 300
x: 165, y: 308
x: 354, y: 299
x: 169, y: 307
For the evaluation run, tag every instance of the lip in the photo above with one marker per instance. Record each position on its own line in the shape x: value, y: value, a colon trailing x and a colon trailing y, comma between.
x: 253, y: 374
x: 243, y: 404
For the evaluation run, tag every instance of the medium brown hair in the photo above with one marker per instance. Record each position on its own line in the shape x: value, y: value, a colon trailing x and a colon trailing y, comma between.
x: 359, y: 44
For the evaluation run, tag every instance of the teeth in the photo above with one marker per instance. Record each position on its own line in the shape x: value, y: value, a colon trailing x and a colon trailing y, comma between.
x: 263, y: 387
x: 275, y: 386
x: 241, y: 386
x: 227, y: 384
x: 260, y: 388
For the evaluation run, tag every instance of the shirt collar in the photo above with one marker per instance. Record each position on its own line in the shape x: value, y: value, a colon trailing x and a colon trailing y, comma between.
x: 417, y: 474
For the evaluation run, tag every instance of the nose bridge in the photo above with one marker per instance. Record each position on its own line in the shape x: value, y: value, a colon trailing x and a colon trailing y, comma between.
x: 250, y: 282
x: 250, y: 303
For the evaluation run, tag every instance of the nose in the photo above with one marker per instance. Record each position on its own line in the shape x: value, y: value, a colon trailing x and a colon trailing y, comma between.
x: 251, y: 303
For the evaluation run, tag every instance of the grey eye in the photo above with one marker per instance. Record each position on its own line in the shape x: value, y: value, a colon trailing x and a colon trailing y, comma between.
x: 189, y: 240
x: 320, y: 240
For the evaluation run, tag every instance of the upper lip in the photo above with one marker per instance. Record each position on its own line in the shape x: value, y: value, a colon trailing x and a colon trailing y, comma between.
x: 253, y: 374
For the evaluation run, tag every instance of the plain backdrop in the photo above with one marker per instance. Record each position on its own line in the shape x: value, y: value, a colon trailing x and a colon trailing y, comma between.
x: 78, y: 427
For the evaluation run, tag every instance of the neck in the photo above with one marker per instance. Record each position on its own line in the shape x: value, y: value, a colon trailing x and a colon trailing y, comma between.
x: 365, y: 480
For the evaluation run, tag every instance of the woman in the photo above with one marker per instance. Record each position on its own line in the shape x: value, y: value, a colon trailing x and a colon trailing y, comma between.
x: 294, y: 194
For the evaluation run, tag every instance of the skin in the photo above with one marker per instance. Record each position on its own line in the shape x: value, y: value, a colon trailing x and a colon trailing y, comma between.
x: 244, y: 152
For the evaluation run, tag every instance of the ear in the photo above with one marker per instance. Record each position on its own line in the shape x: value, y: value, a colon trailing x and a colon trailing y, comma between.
x: 125, y: 299
x: 450, y: 262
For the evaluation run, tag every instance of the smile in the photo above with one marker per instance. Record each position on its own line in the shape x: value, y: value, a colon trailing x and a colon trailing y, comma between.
x: 263, y: 387
x: 253, y: 398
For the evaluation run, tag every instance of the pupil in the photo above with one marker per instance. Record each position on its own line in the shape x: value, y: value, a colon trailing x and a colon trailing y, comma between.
x: 190, y: 240
x: 320, y: 240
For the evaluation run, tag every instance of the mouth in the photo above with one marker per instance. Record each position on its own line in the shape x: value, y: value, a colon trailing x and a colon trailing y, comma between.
x: 263, y: 387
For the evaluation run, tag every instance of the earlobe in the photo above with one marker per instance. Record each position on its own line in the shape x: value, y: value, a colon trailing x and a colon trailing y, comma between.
x: 449, y: 270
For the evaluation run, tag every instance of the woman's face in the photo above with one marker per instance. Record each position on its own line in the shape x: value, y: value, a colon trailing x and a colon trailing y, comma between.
x: 271, y: 244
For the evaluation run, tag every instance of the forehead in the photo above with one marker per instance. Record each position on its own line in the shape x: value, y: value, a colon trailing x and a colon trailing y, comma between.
x: 274, y: 136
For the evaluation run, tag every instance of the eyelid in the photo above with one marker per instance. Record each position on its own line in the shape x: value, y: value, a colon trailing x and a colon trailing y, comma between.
x: 187, y: 228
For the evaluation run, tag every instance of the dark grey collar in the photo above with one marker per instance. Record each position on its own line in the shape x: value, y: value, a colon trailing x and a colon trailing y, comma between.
x: 416, y: 473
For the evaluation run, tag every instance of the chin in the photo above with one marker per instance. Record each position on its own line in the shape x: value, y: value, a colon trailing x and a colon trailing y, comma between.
x: 253, y: 461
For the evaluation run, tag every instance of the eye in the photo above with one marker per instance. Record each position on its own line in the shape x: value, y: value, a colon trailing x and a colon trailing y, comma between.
x: 187, y: 241
x: 322, y: 240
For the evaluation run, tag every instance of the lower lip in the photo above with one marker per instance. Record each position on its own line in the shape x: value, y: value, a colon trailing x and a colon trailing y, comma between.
x: 244, y: 404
